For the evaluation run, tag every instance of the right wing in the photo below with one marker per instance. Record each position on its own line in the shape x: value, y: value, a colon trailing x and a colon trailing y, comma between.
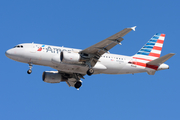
x: 94, y: 52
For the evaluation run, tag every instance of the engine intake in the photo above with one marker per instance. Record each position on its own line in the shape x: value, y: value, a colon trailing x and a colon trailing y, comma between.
x: 53, y: 77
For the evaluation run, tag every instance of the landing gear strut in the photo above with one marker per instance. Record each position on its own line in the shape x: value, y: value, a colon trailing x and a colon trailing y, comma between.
x: 30, y: 67
x: 90, y: 70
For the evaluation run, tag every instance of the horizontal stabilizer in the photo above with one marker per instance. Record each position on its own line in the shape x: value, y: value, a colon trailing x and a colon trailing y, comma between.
x: 161, y: 60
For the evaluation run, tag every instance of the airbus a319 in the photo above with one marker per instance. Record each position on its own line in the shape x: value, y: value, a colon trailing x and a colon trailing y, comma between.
x: 73, y: 64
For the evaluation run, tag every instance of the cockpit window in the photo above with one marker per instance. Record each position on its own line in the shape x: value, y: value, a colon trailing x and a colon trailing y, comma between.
x: 18, y: 46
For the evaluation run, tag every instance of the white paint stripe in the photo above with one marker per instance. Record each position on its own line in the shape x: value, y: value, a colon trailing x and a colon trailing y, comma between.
x: 156, y: 51
x: 161, y: 38
x: 138, y: 60
x: 158, y: 45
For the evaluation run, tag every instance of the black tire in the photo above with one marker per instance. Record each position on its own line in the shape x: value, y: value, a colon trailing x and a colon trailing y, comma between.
x: 29, y: 71
x: 78, y: 85
x: 90, y: 71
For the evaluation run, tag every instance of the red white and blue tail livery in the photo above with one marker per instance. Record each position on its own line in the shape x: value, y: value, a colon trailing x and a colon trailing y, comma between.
x: 152, y: 49
x: 73, y: 64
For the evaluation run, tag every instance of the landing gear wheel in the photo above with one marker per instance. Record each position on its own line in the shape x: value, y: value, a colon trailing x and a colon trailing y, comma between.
x: 90, y: 71
x: 30, y: 67
x: 29, y: 71
x: 78, y: 85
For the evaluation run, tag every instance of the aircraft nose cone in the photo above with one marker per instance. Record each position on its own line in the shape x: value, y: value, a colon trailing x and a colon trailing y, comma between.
x: 9, y: 53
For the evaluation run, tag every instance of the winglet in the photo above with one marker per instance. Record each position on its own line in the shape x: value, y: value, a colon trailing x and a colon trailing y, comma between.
x: 133, y: 28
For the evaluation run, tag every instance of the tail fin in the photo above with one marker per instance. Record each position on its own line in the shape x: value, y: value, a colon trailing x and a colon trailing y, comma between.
x: 152, y: 49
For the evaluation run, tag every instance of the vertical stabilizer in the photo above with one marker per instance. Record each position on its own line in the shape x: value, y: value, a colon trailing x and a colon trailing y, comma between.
x: 152, y: 49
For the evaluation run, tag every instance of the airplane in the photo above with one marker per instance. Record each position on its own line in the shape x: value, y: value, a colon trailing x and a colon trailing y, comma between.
x: 73, y: 64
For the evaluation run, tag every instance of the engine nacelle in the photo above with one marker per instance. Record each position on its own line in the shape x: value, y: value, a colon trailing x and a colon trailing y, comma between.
x: 56, y: 59
x: 53, y: 77
x: 70, y: 57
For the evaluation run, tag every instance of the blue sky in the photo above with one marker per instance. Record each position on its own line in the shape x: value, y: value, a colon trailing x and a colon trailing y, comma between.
x: 80, y: 24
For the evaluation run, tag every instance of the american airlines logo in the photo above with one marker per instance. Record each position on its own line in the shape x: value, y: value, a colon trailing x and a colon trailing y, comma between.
x: 52, y: 49
x: 40, y: 48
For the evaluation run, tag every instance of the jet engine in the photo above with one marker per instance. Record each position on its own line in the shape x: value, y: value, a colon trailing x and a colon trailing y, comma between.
x: 53, y: 77
x: 70, y: 57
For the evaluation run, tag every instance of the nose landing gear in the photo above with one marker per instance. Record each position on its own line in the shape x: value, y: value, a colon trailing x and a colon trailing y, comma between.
x: 29, y: 71
x: 30, y: 67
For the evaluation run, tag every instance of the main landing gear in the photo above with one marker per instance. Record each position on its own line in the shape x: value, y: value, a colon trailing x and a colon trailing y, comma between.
x: 78, y: 82
x: 30, y: 67
x: 90, y: 71
x: 78, y: 85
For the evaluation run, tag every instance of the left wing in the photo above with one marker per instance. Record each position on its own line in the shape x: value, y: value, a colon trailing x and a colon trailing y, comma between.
x: 94, y: 52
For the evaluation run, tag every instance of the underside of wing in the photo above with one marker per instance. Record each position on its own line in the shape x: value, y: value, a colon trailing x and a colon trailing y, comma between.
x: 72, y: 79
x: 71, y: 82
